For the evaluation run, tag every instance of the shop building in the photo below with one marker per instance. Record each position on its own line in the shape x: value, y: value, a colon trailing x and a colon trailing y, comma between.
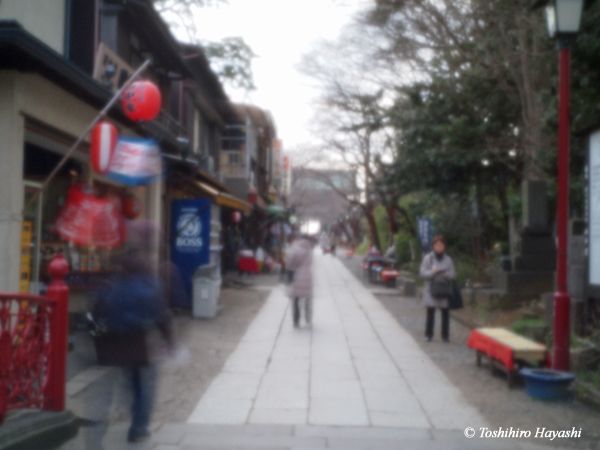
x: 251, y: 166
x: 60, y: 63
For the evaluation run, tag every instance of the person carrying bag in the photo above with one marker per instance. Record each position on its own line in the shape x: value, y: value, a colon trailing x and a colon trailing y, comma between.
x: 437, y: 269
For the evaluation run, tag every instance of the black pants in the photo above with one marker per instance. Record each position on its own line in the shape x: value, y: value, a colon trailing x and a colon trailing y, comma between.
x: 429, y: 324
x: 307, y: 310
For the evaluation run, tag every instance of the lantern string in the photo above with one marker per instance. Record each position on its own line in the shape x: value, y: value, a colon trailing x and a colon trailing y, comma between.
x: 82, y: 136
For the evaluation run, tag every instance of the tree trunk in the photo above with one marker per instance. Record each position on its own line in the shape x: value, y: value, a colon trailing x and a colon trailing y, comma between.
x: 374, y: 235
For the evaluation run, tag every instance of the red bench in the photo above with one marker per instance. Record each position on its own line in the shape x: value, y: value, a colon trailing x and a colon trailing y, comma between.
x: 507, y: 351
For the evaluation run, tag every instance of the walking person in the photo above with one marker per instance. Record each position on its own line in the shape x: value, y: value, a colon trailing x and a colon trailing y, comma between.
x: 298, y: 260
x: 437, y: 269
x: 333, y: 242
x: 129, y: 310
x: 324, y: 242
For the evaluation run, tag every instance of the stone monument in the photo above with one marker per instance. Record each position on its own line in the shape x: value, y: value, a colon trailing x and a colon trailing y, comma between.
x: 532, y: 251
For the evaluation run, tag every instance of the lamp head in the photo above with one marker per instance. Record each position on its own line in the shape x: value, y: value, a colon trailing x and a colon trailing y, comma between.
x: 563, y: 17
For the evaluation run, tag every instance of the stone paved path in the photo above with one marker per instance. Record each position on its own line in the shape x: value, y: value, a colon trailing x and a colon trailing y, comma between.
x: 356, y: 380
x: 355, y: 367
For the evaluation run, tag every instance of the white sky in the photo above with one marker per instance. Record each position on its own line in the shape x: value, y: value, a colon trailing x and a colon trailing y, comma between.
x: 279, y: 32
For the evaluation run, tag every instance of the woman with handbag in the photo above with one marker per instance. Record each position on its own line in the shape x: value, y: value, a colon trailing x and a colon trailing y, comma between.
x: 437, y: 269
x: 299, y: 263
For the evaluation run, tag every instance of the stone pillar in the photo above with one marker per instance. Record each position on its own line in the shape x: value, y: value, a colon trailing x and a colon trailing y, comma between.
x: 12, y: 132
x: 535, y: 207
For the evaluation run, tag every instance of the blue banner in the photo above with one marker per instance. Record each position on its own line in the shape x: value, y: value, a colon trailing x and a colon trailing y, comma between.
x: 190, y: 237
x: 425, y: 233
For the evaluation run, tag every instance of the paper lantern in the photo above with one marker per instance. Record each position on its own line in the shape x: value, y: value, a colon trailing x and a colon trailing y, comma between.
x: 132, y: 207
x: 236, y: 216
x: 141, y: 100
x: 104, y: 141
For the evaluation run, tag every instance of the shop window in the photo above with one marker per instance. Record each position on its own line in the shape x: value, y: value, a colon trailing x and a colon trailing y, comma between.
x: 38, y: 224
x: 80, y: 33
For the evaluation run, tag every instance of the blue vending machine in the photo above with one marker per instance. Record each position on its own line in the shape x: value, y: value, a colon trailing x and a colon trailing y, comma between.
x: 190, y: 241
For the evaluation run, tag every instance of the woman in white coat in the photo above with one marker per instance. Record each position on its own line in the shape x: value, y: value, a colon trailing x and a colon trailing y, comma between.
x: 299, y: 260
x: 436, y: 263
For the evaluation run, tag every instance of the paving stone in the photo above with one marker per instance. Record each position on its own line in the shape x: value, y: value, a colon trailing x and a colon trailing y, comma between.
x: 287, y: 397
x: 361, y: 432
x: 235, y: 430
x: 220, y: 410
x: 260, y: 442
x: 400, y: 420
x: 338, y: 412
x: 278, y: 416
x: 349, y: 389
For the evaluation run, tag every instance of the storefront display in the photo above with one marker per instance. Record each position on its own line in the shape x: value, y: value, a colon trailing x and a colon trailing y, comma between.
x: 88, y: 234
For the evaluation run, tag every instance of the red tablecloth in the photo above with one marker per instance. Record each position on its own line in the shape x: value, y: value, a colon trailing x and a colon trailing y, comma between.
x: 492, y: 347
x: 248, y: 265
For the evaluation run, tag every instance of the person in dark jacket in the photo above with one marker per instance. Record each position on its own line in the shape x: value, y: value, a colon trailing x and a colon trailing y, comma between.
x: 129, y: 309
x: 436, y: 264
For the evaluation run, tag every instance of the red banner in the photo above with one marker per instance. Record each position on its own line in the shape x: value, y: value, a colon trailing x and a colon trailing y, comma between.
x: 91, y: 221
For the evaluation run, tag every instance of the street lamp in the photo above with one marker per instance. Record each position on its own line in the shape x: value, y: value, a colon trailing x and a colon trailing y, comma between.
x: 563, y: 19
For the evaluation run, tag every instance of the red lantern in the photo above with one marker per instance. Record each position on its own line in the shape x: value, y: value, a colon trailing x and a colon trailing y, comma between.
x: 236, y: 216
x: 141, y: 100
x: 104, y: 141
x: 132, y: 207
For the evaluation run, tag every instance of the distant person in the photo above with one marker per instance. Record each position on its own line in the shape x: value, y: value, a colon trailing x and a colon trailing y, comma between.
x: 373, y: 259
x: 437, y: 268
x: 324, y: 242
x: 128, y: 311
x: 298, y: 260
x: 333, y: 242
x: 390, y: 255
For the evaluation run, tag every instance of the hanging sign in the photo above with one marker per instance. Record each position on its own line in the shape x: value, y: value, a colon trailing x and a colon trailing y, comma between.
x: 90, y: 221
x: 425, y: 233
x: 136, y: 162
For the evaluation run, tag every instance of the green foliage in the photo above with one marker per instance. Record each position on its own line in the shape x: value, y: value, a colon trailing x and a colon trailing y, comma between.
x: 591, y: 376
x: 232, y: 59
x: 405, y: 245
x: 362, y: 248
x: 466, y: 268
x: 532, y: 328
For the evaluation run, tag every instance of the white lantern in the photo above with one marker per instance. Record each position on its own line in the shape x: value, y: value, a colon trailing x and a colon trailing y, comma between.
x: 563, y: 17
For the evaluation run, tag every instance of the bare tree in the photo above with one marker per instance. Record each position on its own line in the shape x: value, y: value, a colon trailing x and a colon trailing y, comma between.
x: 350, y: 119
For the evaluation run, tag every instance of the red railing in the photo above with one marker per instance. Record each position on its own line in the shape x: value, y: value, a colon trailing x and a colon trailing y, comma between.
x: 33, y: 346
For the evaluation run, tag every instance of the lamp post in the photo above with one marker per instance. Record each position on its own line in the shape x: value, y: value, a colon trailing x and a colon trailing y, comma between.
x: 563, y: 19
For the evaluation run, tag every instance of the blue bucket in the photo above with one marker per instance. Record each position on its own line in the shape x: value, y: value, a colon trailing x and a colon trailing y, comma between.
x: 547, y: 384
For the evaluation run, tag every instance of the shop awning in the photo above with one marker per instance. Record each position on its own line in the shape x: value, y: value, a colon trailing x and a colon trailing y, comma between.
x: 276, y: 210
x: 222, y: 198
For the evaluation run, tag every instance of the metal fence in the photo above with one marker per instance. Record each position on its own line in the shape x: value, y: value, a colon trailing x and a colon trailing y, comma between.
x: 33, y: 346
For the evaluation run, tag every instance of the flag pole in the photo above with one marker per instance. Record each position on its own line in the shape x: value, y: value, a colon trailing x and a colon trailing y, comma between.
x: 77, y: 143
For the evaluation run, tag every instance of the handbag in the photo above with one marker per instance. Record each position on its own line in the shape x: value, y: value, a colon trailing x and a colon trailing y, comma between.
x: 455, y: 301
x: 441, y: 287
x: 122, y: 350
